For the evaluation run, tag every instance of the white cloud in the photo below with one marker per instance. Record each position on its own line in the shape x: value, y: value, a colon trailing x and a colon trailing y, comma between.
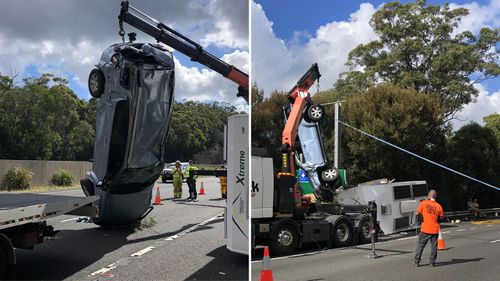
x: 479, y: 16
x: 206, y: 85
x: 71, y: 43
x: 486, y: 104
x: 278, y: 66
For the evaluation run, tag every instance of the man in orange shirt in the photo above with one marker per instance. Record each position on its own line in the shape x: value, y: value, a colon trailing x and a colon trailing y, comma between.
x: 429, y: 211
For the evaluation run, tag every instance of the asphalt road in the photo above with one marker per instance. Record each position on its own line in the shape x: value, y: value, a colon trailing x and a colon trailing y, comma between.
x: 473, y: 253
x: 187, y: 243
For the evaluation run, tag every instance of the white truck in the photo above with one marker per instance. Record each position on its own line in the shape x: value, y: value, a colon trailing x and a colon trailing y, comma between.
x: 23, y: 222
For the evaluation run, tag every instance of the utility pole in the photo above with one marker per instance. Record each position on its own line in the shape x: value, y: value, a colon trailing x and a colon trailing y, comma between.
x: 336, y: 133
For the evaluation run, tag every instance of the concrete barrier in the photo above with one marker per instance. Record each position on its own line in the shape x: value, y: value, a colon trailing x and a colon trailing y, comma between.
x: 44, y: 170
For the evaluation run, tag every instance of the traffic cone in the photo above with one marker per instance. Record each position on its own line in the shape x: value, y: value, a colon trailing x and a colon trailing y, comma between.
x: 202, y: 190
x: 441, y: 245
x: 157, y: 197
x: 266, y: 274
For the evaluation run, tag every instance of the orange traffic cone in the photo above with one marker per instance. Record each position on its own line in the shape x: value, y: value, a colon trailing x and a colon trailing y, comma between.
x: 266, y: 274
x: 157, y: 197
x: 202, y: 190
x: 441, y: 245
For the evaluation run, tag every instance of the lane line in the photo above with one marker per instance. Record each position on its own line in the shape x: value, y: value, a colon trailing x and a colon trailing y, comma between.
x: 473, y: 227
x: 192, y: 228
x: 444, y: 232
x: 495, y: 241
x: 103, y: 270
x: 459, y: 230
x: 142, y: 252
x: 73, y: 219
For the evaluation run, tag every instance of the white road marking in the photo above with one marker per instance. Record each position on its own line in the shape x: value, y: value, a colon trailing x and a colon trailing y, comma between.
x: 495, y: 241
x: 489, y: 225
x: 104, y: 269
x: 460, y: 230
x: 406, y: 238
x: 73, y: 219
x: 192, y: 228
x: 142, y: 252
x: 473, y: 227
x: 444, y: 232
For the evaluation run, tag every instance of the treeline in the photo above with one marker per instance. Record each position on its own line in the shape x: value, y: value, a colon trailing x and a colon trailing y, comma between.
x: 405, y: 88
x: 43, y: 119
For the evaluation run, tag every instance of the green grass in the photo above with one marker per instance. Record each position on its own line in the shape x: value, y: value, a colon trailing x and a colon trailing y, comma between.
x: 46, y: 188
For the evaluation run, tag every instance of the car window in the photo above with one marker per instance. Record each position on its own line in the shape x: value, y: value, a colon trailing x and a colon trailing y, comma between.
x: 171, y: 166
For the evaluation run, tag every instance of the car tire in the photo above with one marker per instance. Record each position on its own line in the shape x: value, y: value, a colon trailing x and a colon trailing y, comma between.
x: 364, y: 234
x: 284, y: 240
x: 329, y: 175
x: 342, y: 234
x: 315, y: 113
x: 96, y: 83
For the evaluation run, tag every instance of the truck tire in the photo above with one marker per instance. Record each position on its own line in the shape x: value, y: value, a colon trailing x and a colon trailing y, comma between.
x: 329, y: 175
x: 284, y: 240
x: 96, y: 83
x: 7, y: 259
x: 364, y: 234
x: 343, y: 233
x: 315, y: 113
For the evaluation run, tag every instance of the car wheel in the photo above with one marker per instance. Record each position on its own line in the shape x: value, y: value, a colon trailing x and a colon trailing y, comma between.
x: 364, y: 231
x: 330, y: 175
x: 285, y: 240
x: 342, y: 233
x: 96, y: 83
x: 315, y: 112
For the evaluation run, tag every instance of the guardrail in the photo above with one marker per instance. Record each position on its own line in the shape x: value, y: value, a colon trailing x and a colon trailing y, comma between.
x: 484, y: 213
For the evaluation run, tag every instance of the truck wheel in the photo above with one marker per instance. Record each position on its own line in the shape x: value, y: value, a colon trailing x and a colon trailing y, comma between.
x: 330, y: 175
x: 343, y: 233
x: 285, y: 240
x: 315, y: 112
x: 7, y: 259
x: 96, y: 83
x: 364, y: 230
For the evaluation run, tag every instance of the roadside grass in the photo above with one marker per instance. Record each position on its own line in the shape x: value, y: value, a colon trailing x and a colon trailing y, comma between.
x: 44, y: 188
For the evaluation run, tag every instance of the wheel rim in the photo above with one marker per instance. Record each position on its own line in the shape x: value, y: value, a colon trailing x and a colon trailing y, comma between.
x: 94, y: 84
x: 342, y: 232
x: 316, y: 112
x: 285, y: 237
x: 330, y: 174
x: 365, y: 229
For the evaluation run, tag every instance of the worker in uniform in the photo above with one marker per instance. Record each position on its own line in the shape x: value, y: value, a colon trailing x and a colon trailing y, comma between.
x: 223, y: 183
x: 429, y: 213
x: 191, y: 181
x: 177, y: 180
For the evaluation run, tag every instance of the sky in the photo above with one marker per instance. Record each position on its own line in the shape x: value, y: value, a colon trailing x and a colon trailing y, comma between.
x: 290, y: 35
x: 67, y: 37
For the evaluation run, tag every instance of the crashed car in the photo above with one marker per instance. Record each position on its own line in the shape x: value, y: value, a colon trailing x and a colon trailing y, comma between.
x: 321, y: 175
x: 134, y: 87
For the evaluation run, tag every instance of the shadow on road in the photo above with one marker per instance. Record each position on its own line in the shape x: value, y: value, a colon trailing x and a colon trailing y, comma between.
x: 226, y: 265
x: 74, y: 250
x: 455, y: 261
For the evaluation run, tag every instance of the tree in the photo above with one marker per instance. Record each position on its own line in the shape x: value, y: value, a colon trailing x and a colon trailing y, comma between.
x: 267, y: 121
x: 418, y: 49
x: 474, y: 151
x: 399, y: 116
x: 492, y: 122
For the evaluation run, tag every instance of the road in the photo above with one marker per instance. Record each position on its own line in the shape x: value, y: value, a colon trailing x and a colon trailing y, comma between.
x: 187, y: 243
x: 473, y: 253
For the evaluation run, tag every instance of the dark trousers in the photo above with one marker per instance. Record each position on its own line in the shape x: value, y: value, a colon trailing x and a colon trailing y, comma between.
x: 192, y: 188
x: 422, y: 241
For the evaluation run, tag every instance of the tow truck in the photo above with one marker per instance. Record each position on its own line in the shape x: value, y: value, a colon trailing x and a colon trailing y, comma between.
x: 282, y: 217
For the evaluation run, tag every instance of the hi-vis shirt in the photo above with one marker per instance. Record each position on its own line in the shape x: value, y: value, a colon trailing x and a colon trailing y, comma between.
x: 430, y: 210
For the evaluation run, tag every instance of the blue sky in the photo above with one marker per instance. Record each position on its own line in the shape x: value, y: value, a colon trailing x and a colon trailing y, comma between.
x: 299, y: 15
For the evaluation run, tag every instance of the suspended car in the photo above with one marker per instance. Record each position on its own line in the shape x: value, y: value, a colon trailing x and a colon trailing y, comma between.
x: 134, y: 87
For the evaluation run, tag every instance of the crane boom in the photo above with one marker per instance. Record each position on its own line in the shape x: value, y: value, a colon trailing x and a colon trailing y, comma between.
x: 299, y: 99
x: 179, y: 42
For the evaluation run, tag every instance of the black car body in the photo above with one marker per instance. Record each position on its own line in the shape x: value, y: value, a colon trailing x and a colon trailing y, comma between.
x: 134, y: 85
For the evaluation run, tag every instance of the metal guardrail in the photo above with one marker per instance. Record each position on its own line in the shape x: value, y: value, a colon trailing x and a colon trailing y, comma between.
x: 491, y: 212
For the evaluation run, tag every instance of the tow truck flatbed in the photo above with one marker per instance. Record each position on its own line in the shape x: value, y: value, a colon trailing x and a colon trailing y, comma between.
x: 22, y: 208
